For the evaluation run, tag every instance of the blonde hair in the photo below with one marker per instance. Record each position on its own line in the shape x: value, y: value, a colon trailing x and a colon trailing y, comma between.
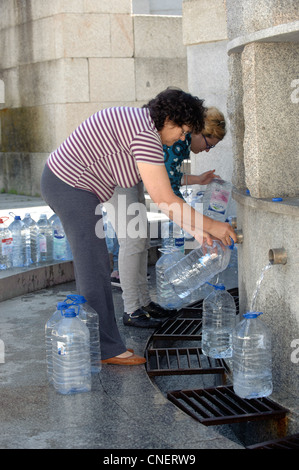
x: 214, y: 123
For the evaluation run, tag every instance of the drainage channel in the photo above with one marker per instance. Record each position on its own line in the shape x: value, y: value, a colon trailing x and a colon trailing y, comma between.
x: 201, y: 386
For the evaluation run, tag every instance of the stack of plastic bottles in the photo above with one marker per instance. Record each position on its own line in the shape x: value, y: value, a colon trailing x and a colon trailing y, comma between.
x: 26, y: 243
x: 6, y: 245
x: 72, y: 346
x: 247, y: 342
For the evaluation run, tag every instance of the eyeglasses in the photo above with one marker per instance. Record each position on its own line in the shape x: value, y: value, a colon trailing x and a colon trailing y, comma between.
x: 208, y: 146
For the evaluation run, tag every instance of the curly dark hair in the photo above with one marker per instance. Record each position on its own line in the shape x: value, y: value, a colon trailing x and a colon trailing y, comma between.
x: 179, y: 107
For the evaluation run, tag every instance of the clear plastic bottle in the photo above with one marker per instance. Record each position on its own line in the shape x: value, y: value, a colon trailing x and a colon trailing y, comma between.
x: 59, y: 239
x: 218, y: 323
x: 216, y: 199
x: 61, y: 247
x: 172, y: 236
x: 166, y: 234
x: 197, y: 267
x: 165, y: 295
x: 91, y: 319
x: 252, y: 358
x: 6, y: 245
x: 71, y: 355
x: 21, y: 250
x: 45, y: 239
x: 178, y: 237
x: 34, y: 232
x: 52, y: 321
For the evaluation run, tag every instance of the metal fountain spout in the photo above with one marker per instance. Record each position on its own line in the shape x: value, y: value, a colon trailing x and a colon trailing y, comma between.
x: 278, y: 256
x: 240, y: 236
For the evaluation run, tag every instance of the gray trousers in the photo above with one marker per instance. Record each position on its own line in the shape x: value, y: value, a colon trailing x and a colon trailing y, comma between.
x: 79, y: 212
x: 127, y: 213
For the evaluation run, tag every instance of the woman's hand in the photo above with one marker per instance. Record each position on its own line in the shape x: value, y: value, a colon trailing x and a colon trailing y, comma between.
x: 219, y: 230
x: 207, y: 177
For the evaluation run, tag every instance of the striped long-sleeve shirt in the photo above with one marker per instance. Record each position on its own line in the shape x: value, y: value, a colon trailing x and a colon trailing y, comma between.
x: 104, y: 150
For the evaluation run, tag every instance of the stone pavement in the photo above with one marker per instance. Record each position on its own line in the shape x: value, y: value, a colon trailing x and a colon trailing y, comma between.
x: 124, y: 410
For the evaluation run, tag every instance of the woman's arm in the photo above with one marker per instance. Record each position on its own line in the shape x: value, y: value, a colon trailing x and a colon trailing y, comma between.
x: 158, y: 186
x: 204, y: 178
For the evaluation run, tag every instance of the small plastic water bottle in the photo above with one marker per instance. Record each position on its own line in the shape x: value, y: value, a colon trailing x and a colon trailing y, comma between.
x: 165, y: 295
x: 21, y: 250
x: 216, y: 199
x: 71, y: 355
x: 34, y: 231
x: 91, y: 319
x: 218, y: 323
x: 197, y: 267
x: 6, y: 245
x: 172, y: 236
x: 252, y: 358
x: 166, y: 234
x: 45, y: 239
x: 178, y: 238
x: 59, y: 239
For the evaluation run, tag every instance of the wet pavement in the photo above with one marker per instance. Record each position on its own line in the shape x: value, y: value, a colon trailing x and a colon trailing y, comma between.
x: 125, y: 409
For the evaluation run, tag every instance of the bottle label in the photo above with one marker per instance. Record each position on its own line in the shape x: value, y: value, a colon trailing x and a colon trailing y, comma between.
x: 6, y: 246
x: 219, y: 200
x: 179, y: 242
x: 43, y: 244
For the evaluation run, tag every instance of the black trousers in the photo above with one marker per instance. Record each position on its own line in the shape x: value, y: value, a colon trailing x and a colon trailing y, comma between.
x: 83, y: 226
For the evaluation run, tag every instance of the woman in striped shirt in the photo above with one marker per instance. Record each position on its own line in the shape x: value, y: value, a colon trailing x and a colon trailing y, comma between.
x: 119, y: 147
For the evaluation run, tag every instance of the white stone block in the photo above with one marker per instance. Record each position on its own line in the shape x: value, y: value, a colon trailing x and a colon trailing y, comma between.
x: 154, y: 75
x: 60, y: 81
x: 108, y: 6
x: 158, y: 36
x: 112, y: 80
x: 204, y: 21
x: 85, y: 35
x: 122, y: 39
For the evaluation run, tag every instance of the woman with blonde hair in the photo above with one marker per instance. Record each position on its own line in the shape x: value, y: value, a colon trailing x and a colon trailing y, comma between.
x: 213, y: 132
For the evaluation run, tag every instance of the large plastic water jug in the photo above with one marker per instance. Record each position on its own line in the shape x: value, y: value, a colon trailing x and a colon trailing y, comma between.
x: 197, y: 267
x: 218, y: 323
x: 252, y: 358
x: 71, y: 355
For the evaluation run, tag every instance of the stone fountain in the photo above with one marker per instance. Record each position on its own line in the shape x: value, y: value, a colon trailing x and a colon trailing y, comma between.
x: 263, y: 108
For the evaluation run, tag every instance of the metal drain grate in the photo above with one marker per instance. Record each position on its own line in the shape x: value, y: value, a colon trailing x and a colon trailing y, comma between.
x: 288, y: 443
x: 220, y: 405
x: 180, y: 328
x: 182, y: 361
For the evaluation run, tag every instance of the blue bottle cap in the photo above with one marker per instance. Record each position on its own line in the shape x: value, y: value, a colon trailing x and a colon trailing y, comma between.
x: 252, y: 314
x: 219, y: 286
x: 17, y: 217
x: 231, y: 246
x: 77, y: 299
x: 69, y: 312
x: 62, y: 305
